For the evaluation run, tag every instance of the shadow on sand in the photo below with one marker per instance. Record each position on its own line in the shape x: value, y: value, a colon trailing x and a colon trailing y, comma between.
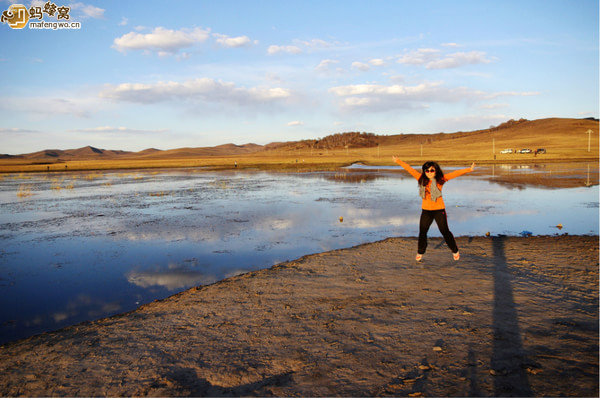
x: 185, y: 381
x: 509, y: 358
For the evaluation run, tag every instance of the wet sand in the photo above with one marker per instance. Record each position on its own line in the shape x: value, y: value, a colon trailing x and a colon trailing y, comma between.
x: 515, y: 316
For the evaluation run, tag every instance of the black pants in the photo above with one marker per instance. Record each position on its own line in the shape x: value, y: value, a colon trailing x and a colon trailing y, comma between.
x: 427, y: 217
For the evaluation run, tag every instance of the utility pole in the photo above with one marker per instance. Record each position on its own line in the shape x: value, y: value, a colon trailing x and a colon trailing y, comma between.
x: 589, y: 133
x: 587, y: 184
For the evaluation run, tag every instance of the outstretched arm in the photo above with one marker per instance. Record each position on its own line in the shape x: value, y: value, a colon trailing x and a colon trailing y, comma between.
x: 407, y: 167
x: 458, y: 173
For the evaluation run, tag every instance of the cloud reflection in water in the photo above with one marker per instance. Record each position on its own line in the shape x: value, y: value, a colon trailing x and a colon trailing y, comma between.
x: 119, y: 244
x: 175, y: 276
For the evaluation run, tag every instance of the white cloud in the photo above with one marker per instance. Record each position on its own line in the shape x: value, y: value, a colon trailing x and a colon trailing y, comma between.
x: 377, y: 62
x: 88, y: 11
x: 296, y: 123
x: 315, y: 43
x: 300, y: 46
x: 356, y: 102
x: 226, y: 41
x: 324, y: 64
x: 175, y: 277
x: 203, y: 89
x: 379, y: 97
x: 459, y: 59
x: 419, y: 57
x: 379, y: 89
x: 361, y: 66
x: 494, y: 106
x: 434, y: 59
x: 285, y: 49
x: 123, y: 22
x: 398, y: 79
x: 164, y: 41
x: 510, y: 94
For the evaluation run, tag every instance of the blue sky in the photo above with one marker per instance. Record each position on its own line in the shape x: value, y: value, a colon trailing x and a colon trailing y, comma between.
x: 141, y: 74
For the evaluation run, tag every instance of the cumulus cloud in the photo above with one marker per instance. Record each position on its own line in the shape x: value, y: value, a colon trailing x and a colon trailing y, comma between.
x: 296, y: 123
x: 361, y: 66
x: 300, y: 46
x: 420, y: 56
x: 377, y: 62
x: 226, y: 41
x: 164, y: 41
x: 459, y: 59
x: 315, y: 43
x: 274, y: 49
x: 324, y: 64
x: 494, y: 106
x: 88, y: 11
x: 203, y: 89
x: 511, y: 94
x: 434, y: 59
x: 379, y: 97
x: 380, y: 89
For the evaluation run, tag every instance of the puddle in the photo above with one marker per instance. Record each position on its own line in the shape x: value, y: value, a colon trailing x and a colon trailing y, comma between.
x: 80, y: 246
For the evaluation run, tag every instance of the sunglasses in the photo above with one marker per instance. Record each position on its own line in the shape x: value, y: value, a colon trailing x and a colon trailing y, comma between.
x: 430, y: 171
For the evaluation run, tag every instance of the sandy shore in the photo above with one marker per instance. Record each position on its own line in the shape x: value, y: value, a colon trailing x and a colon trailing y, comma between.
x: 515, y: 316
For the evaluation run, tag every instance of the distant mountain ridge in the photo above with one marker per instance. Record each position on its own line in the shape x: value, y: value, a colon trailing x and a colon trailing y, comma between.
x: 90, y: 152
x: 220, y: 150
x: 87, y: 152
x: 512, y: 128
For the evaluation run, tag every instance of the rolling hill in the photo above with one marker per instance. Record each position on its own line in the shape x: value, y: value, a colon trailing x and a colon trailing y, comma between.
x: 563, y: 139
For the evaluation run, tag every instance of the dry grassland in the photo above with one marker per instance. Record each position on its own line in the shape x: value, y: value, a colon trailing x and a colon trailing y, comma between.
x: 563, y: 139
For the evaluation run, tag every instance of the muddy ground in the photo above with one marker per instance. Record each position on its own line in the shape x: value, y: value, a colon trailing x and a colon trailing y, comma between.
x: 515, y: 316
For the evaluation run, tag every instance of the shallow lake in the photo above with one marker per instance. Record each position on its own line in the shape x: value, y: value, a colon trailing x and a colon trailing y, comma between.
x: 80, y: 246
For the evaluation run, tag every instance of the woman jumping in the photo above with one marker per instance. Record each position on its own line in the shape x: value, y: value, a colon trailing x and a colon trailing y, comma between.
x: 431, y: 181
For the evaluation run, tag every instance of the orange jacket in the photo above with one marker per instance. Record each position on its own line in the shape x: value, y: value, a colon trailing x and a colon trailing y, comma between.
x: 429, y: 204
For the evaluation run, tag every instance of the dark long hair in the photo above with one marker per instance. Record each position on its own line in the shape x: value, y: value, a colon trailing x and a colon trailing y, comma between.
x: 439, y: 174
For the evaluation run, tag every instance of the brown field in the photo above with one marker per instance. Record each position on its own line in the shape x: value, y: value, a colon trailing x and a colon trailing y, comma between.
x: 563, y: 139
x: 514, y: 317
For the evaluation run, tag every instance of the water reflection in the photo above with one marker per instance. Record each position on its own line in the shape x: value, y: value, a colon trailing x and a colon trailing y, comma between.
x: 353, y: 177
x: 112, y: 241
x: 519, y: 176
x: 175, y: 276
